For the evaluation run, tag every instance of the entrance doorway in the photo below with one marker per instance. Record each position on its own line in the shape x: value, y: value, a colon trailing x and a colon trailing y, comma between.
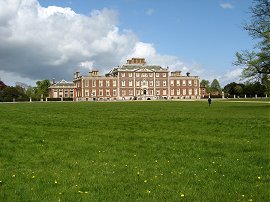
x: 144, y: 92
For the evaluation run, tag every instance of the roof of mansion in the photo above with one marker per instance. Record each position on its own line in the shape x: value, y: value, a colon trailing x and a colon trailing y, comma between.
x: 62, y: 83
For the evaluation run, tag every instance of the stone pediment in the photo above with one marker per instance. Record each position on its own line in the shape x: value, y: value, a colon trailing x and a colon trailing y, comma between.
x: 144, y: 69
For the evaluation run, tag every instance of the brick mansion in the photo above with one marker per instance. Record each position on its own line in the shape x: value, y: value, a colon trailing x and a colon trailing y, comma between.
x: 135, y: 80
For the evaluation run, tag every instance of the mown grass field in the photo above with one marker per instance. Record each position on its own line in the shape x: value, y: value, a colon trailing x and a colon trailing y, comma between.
x: 134, y: 151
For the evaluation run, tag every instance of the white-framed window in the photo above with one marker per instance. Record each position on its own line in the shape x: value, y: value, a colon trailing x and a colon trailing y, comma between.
x: 137, y: 74
x: 144, y: 83
x: 151, y: 83
x: 71, y: 93
x: 189, y: 82
x: 130, y: 92
x: 178, y: 82
x: 114, y: 92
x: 172, y: 92
x: 123, y: 74
x: 94, y: 92
x: 100, y: 83
x: 164, y: 83
x: 184, y: 91
x: 184, y: 82
x: 87, y: 93
x: 86, y: 83
x: 144, y: 75
x: 172, y: 82
x: 195, y: 91
x: 178, y: 91
x: 137, y: 92
x: 130, y: 83
x: 137, y: 83
x: 158, y: 92
x: 123, y: 83
x: 66, y: 93
x: 157, y: 83
x: 107, y: 92
x: 123, y: 92
x: 164, y: 74
x: 100, y: 92
x: 164, y: 92
x: 60, y: 93
x: 114, y: 83
x: 195, y: 82
x: 55, y: 92
x: 129, y: 74
x: 107, y: 83
x: 94, y: 83
x: 189, y: 91
x: 157, y: 74
x: 150, y: 74
x: 151, y: 92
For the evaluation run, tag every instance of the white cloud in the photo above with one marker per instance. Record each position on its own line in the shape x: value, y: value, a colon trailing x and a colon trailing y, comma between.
x: 10, y: 79
x: 87, y: 64
x: 226, y: 6
x: 43, y: 43
x: 148, y: 51
x: 150, y: 11
x: 234, y: 74
x: 54, y: 42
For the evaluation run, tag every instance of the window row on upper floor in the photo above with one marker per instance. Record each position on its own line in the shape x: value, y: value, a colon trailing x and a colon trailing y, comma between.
x: 138, y: 83
x: 143, y: 74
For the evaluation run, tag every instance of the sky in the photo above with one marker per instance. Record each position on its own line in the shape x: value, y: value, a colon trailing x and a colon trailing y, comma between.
x: 46, y: 39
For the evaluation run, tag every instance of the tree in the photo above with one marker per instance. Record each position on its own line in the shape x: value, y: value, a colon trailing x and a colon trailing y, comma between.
x: 238, y: 89
x: 248, y: 89
x: 206, y: 84
x: 215, y: 87
x: 230, y: 88
x: 2, y: 85
x: 42, y: 89
x: 257, y: 63
x: 10, y: 92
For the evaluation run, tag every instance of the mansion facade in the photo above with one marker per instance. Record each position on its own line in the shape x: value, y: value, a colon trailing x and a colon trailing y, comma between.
x: 135, y: 80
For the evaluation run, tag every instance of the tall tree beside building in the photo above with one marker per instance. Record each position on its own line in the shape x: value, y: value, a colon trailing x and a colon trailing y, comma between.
x: 42, y: 89
x: 215, y: 86
x: 206, y: 84
x: 257, y: 63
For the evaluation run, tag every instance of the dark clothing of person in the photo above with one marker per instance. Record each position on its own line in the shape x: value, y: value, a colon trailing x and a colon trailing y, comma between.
x: 209, y: 101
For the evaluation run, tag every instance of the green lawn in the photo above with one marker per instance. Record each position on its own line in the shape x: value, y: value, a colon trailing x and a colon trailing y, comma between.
x: 128, y: 151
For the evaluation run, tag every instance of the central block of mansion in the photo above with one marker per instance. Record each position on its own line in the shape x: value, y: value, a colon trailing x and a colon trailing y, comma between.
x: 134, y: 80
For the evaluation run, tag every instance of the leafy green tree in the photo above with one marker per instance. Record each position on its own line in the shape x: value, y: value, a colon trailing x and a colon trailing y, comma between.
x: 206, y: 84
x: 229, y: 88
x: 10, y: 92
x: 30, y: 92
x: 215, y: 86
x: 238, y: 89
x: 257, y: 63
x: 42, y: 89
